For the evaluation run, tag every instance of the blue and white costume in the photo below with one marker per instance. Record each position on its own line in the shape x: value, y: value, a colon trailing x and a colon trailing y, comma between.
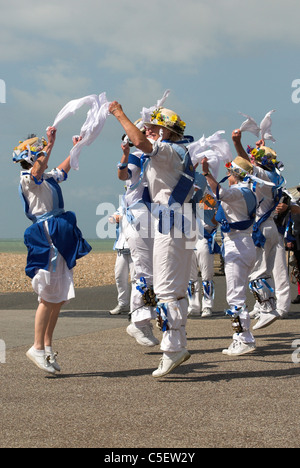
x: 236, y: 215
x: 267, y: 239
x: 54, y: 241
x: 137, y: 231
x: 123, y: 266
x: 172, y: 258
x: 203, y: 261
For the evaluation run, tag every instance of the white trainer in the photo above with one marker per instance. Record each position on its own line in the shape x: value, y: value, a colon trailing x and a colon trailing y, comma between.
x: 254, y: 314
x: 40, y: 360
x: 207, y: 312
x: 168, y: 364
x: 266, y: 319
x: 120, y: 309
x: 144, y: 335
x: 238, y: 348
x: 52, y: 360
x: 194, y: 313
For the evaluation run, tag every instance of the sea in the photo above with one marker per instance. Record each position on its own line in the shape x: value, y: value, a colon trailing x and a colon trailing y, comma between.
x: 17, y: 245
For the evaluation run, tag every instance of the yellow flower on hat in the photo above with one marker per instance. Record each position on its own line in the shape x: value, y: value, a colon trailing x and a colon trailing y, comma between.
x: 168, y: 119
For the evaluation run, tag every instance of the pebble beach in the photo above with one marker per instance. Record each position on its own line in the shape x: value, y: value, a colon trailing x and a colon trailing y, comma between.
x: 96, y: 269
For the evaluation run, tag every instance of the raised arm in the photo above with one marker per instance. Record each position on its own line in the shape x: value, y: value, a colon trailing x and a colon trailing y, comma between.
x: 209, y: 177
x: 41, y: 163
x: 237, y: 141
x: 123, y: 167
x: 138, y: 139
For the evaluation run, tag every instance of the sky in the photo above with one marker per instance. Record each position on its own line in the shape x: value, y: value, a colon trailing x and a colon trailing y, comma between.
x: 218, y: 58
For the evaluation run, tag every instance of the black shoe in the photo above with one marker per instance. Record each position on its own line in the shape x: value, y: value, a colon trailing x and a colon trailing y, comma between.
x: 297, y: 300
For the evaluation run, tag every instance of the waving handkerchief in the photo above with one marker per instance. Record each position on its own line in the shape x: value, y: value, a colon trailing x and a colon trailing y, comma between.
x: 250, y: 125
x: 264, y: 129
x: 93, y: 125
x: 214, y: 148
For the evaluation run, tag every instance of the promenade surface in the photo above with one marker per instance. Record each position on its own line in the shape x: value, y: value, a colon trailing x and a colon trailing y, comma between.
x: 106, y: 397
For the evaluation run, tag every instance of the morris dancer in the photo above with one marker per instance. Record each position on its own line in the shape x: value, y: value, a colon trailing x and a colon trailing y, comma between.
x: 265, y: 232
x: 54, y: 241
x: 236, y: 214
x: 203, y: 260
x: 123, y: 266
x: 137, y: 232
x: 166, y: 170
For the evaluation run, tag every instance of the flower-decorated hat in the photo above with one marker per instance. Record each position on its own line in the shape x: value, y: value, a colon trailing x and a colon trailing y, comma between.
x: 265, y: 157
x: 167, y: 119
x: 240, y: 167
x: 29, y: 150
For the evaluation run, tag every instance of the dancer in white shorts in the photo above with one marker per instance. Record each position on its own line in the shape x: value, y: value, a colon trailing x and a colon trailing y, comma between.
x: 54, y: 241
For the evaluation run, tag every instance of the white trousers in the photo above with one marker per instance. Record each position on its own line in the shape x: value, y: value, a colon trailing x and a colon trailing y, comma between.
x: 202, y: 261
x: 239, y: 261
x: 123, y: 268
x: 171, y: 274
x: 140, y: 241
x: 281, y: 278
x: 265, y: 257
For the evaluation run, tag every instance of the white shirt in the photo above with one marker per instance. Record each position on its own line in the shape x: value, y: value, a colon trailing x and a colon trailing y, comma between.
x: 264, y: 194
x: 163, y: 172
x: 234, y: 204
x: 40, y: 198
x: 134, y: 195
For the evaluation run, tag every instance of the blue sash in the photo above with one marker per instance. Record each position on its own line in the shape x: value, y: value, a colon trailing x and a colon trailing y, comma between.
x: 183, y: 186
x: 251, y: 203
x: 258, y: 237
x: 66, y: 237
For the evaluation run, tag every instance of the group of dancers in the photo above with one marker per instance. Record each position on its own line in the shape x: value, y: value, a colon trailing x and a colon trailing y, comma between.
x: 166, y: 197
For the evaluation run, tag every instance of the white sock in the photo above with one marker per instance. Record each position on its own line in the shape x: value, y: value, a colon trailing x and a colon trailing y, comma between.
x: 39, y: 352
x: 48, y: 350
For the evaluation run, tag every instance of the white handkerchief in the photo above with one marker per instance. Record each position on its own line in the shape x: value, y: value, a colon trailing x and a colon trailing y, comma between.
x: 214, y: 148
x: 265, y: 127
x: 93, y: 124
x: 249, y: 125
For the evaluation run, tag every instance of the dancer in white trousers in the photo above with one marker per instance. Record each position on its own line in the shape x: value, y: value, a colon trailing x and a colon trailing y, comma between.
x: 203, y: 262
x: 236, y: 215
x: 265, y: 232
x: 171, y: 258
x: 137, y: 231
x: 123, y: 266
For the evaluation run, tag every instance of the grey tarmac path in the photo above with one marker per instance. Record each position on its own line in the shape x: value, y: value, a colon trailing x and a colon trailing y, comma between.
x: 106, y: 397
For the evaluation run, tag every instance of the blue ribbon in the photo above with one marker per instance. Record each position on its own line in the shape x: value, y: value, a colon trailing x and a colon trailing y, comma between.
x: 162, y: 312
